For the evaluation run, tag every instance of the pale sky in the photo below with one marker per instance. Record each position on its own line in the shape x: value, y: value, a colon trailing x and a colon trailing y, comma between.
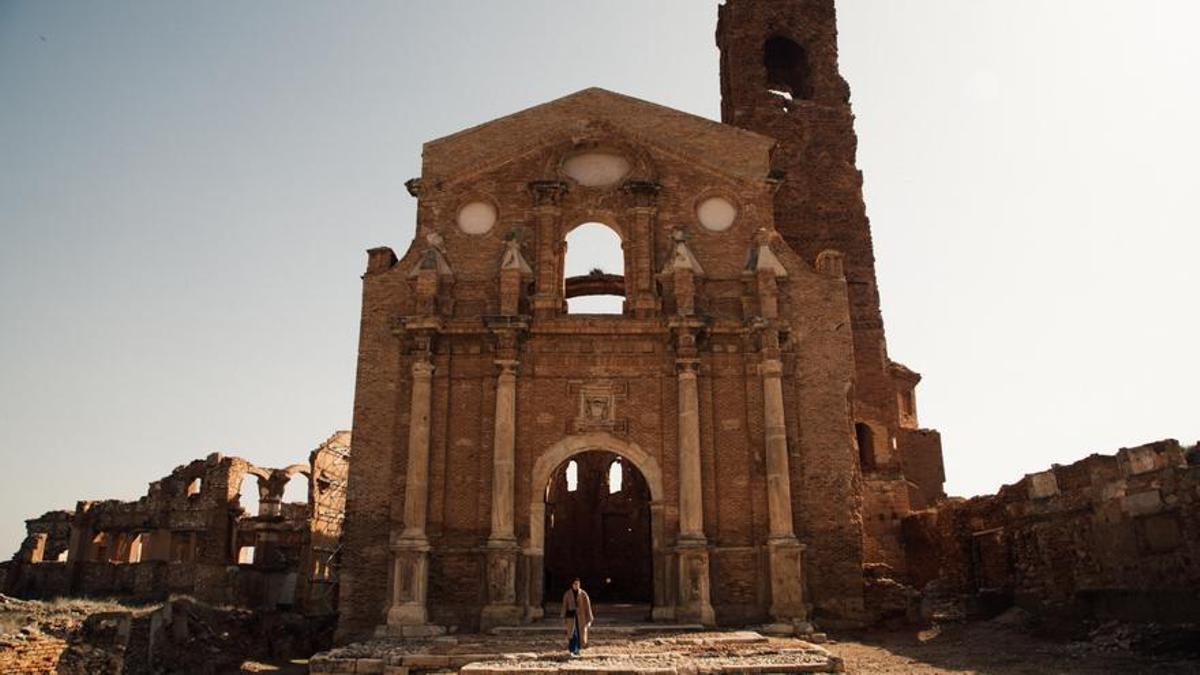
x: 187, y: 191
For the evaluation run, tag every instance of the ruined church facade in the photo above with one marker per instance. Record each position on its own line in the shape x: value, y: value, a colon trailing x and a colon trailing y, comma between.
x: 729, y: 448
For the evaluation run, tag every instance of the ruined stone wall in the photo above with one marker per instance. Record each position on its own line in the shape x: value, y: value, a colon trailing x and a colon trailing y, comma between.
x: 30, y: 652
x: 1110, y: 535
x: 184, y: 536
x: 921, y: 461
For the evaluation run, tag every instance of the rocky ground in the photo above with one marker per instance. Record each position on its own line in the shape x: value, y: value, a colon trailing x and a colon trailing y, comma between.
x: 181, y: 635
x: 1010, y: 644
x: 1014, y: 645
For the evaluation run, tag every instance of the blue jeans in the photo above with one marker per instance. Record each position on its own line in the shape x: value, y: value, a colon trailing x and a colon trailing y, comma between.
x: 573, y: 643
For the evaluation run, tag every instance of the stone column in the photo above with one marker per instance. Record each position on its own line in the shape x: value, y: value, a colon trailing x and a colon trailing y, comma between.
x: 691, y: 505
x: 502, y: 553
x: 785, y: 553
x: 694, y: 593
x: 410, y: 571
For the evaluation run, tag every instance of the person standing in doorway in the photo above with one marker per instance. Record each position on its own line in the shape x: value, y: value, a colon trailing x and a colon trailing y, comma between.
x: 577, y: 616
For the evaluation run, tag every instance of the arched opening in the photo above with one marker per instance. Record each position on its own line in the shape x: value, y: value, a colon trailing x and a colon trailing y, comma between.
x: 599, y: 534
x: 296, y: 490
x: 136, y: 547
x: 788, y: 72
x: 594, y: 271
x: 866, y: 446
x: 100, y: 547
x: 248, y: 496
x: 193, y: 487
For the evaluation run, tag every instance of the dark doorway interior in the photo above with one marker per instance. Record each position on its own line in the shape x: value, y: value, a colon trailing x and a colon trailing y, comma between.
x: 598, y: 529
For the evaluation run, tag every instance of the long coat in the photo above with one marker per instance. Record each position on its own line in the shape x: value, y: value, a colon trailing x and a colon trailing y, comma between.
x: 584, y: 613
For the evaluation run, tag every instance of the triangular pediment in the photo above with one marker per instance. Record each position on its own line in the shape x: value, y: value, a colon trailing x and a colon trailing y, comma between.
x: 723, y: 148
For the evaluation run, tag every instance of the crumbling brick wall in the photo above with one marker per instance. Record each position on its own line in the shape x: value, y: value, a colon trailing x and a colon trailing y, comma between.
x: 30, y: 652
x: 1110, y: 535
x: 185, y: 535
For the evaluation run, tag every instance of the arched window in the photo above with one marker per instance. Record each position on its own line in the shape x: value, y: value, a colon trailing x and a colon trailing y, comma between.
x: 594, y: 271
x: 615, y: 476
x: 866, y: 446
x: 572, y: 476
x: 194, y: 486
x: 296, y: 490
x: 248, y: 495
x: 788, y: 73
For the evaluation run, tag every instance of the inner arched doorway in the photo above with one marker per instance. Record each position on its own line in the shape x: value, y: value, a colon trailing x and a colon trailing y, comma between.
x: 597, y: 526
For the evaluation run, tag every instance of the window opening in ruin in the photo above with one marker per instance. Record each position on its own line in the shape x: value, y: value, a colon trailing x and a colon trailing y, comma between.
x: 193, y: 487
x: 248, y: 495
x: 135, y: 548
x: 246, y: 555
x: 594, y: 271
x: 100, y: 547
x: 866, y: 446
x: 296, y: 490
x: 598, y: 534
x: 572, y: 476
x: 907, y: 405
x: 62, y: 557
x: 614, y: 477
x: 788, y: 71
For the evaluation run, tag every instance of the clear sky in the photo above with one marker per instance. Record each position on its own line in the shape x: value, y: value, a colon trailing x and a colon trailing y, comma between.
x: 187, y: 191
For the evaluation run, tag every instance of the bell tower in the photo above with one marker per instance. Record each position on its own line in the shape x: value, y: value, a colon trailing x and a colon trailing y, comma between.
x: 779, y: 77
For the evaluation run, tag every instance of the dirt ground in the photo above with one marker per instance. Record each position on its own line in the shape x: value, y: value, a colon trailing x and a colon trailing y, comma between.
x: 989, y: 648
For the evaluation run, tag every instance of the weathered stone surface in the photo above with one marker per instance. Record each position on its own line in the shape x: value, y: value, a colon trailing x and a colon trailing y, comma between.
x: 1115, y: 538
x: 188, y: 534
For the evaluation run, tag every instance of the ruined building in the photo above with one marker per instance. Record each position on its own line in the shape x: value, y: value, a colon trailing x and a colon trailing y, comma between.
x: 217, y: 529
x: 730, y: 447
x: 1110, y: 536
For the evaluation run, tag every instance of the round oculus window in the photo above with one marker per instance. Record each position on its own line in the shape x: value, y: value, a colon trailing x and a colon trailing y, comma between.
x: 596, y: 169
x: 476, y: 218
x: 716, y: 214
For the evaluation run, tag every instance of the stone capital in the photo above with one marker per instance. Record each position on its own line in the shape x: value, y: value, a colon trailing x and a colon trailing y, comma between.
x: 687, y: 368
x: 422, y: 369
x: 771, y: 367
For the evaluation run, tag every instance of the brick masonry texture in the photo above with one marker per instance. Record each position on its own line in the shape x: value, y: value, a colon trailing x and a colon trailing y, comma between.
x: 791, y: 281
x: 1111, y: 536
x: 187, y: 535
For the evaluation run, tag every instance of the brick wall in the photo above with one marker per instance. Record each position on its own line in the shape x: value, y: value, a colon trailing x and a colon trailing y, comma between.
x: 30, y: 651
x: 1110, y: 535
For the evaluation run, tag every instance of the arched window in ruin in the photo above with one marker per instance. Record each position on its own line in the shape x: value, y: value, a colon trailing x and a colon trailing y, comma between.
x: 594, y: 271
x: 572, y: 476
x: 248, y: 495
x: 296, y: 490
x: 866, y: 446
x: 100, y: 546
x: 193, y: 487
x: 788, y: 71
x: 137, y: 547
x: 615, y: 476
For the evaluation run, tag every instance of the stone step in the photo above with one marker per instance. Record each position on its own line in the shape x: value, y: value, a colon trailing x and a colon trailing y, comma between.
x: 600, y: 629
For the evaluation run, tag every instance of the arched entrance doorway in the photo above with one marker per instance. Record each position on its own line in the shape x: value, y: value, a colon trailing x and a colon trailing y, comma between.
x: 545, y: 471
x: 597, y: 527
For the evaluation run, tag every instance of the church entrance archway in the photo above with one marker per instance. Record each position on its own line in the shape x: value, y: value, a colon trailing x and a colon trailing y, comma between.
x: 597, y: 528
x: 640, y: 469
